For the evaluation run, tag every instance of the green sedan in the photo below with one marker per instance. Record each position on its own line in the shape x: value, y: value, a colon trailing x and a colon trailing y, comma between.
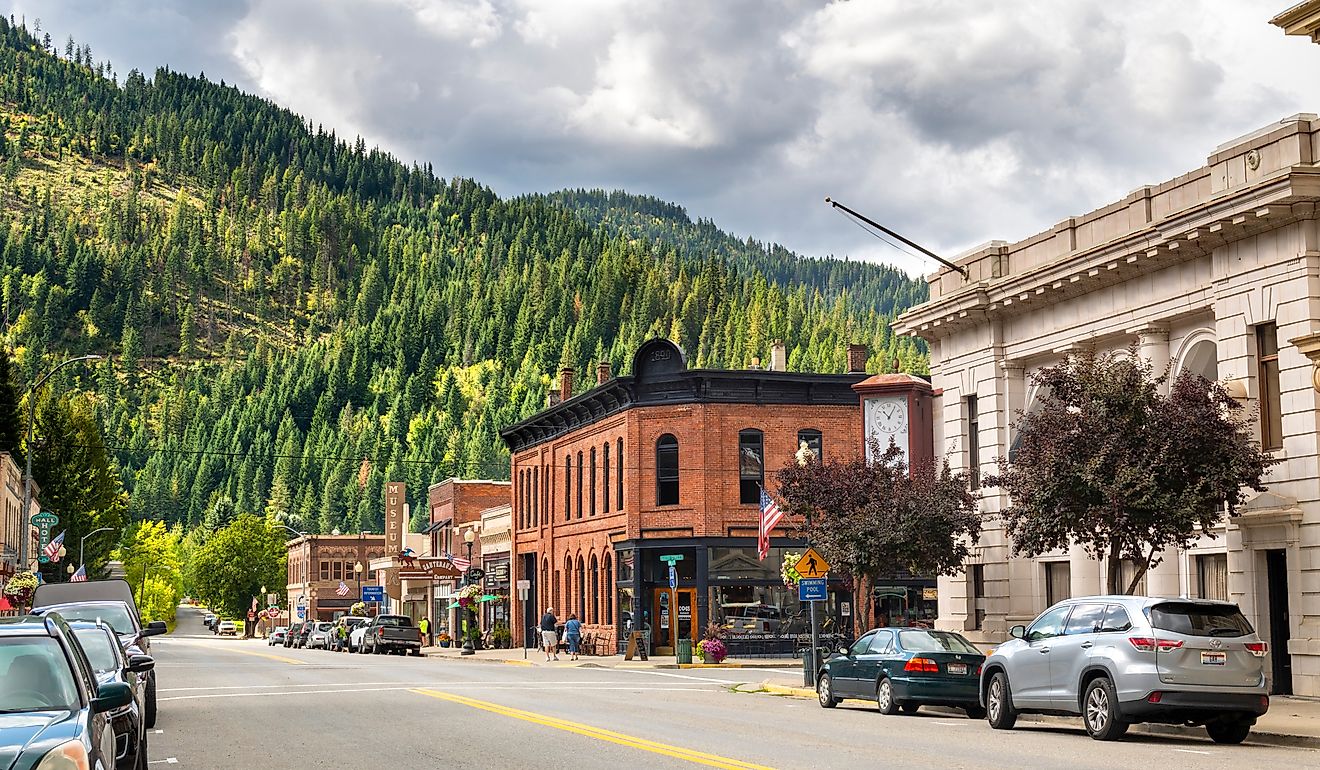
x: 902, y: 669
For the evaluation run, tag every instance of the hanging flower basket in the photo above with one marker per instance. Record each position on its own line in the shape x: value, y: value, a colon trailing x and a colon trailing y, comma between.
x: 789, y: 575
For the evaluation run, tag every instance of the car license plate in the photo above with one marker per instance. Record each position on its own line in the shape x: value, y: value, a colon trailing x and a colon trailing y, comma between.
x: 958, y: 668
x: 1214, y: 658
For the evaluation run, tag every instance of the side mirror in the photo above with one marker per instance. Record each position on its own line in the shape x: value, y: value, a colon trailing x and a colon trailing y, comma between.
x: 1018, y: 632
x: 843, y: 651
x: 140, y: 664
x: 155, y: 628
x: 110, y: 696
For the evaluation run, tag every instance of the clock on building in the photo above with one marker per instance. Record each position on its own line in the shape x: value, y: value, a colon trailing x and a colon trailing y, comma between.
x: 897, y: 407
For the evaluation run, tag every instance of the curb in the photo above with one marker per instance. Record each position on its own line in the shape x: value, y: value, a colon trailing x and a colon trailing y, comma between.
x: 1176, y: 731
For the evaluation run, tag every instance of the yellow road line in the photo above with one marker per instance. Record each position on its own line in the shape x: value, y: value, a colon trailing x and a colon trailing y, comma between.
x: 677, y: 752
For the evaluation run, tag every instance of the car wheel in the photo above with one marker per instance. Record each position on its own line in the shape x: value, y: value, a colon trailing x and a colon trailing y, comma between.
x: 1228, y: 731
x: 825, y: 692
x: 1100, y: 711
x: 975, y: 712
x: 999, y: 709
x: 908, y: 708
x: 149, y: 718
x: 884, y: 697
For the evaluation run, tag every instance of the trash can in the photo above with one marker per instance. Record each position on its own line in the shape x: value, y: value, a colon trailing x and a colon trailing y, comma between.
x: 684, y: 651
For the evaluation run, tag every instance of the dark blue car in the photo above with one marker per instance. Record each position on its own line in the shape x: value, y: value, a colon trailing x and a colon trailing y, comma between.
x: 51, y: 706
x: 902, y: 669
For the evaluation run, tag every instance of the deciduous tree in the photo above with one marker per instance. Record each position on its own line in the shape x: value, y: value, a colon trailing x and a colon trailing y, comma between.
x: 230, y: 569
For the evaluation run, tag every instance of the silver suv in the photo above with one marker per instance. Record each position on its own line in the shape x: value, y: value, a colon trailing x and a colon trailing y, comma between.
x: 1116, y: 660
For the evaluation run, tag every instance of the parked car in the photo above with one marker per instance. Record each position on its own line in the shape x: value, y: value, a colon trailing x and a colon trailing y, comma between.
x: 357, y: 637
x: 110, y: 664
x: 277, y: 636
x: 304, y: 632
x: 226, y: 628
x: 902, y: 669
x: 111, y: 601
x: 209, y: 620
x: 349, y: 623
x: 1118, y: 660
x: 320, y: 635
x: 292, y: 634
x: 391, y: 633
x: 53, y: 711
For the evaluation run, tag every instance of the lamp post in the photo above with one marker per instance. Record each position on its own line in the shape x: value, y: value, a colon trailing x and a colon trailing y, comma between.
x: 357, y: 572
x: 69, y: 570
x: 27, y: 464
x: 469, y: 615
x: 82, y: 544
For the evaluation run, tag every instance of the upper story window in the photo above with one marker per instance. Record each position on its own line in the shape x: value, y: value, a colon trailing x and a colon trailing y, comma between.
x: 605, y: 477
x: 973, y: 438
x: 579, y: 486
x: 751, y: 466
x: 568, y: 487
x: 812, y: 438
x: 666, y: 470
x: 536, y: 497
x: 591, y: 485
x: 1267, y: 369
x: 618, y: 477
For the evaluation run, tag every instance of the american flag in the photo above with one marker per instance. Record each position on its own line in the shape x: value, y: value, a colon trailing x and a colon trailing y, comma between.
x: 770, y: 516
x: 80, y: 576
x: 342, y: 590
x: 458, y: 561
x: 53, y: 547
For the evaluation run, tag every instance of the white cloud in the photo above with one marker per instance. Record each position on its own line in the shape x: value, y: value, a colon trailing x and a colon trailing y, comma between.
x: 952, y: 122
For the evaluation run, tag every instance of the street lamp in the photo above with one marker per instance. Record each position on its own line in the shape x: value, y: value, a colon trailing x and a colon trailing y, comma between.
x: 27, y: 466
x: 357, y: 573
x: 82, y: 544
x: 468, y: 649
x: 69, y: 570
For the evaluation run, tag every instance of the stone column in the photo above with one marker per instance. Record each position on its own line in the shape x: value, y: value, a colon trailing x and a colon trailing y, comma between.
x: 1153, y: 346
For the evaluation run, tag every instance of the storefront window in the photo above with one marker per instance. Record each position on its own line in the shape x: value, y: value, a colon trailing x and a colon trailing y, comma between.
x: 626, y: 564
x: 758, y: 609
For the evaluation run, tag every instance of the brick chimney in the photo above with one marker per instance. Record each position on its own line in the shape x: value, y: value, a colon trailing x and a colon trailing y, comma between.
x: 603, y: 372
x: 566, y: 383
x: 778, y: 356
x: 856, y: 359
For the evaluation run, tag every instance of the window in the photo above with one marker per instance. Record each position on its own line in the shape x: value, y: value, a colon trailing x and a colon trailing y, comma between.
x: 1086, y: 619
x: 861, y: 646
x: 591, y: 485
x: 1048, y: 625
x: 882, y: 643
x: 922, y: 640
x: 568, y: 489
x: 1058, y: 581
x: 977, y: 579
x: 973, y: 439
x: 812, y: 438
x: 579, y: 485
x: 536, y: 497
x: 581, y: 590
x: 609, y: 590
x: 337, y: 570
x: 605, y: 477
x: 1116, y: 620
x: 1222, y: 620
x: 618, y: 477
x: 1127, y: 569
x: 751, y: 466
x: 1267, y: 358
x: 325, y: 570
x: 666, y: 470
x: 595, y: 590
x: 1212, y: 576
x: 520, y: 494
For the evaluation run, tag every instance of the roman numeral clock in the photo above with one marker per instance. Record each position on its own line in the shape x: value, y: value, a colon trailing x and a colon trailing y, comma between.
x: 898, y: 408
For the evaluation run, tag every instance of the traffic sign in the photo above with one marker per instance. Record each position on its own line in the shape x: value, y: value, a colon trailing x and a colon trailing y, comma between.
x: 302, y: 613
x: 673, y: 577
x: 524, y: 587
x: 672, y: 558
x: 812, y: 590
x: 373, y: 593
x: 302, y: 600
x: 812, y: 565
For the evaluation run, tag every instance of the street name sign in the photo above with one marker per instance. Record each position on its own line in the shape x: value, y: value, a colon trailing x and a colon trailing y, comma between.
x: 812, y: 565
x: 812, y: 590
x: 672, y: 558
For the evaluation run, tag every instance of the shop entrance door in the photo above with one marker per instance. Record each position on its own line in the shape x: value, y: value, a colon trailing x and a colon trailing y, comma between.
x: 1276, y: 572
x: 670, y: 626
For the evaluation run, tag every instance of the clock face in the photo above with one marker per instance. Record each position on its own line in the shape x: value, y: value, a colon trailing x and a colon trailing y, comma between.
x: 886, y: 420
x: 890, y: 416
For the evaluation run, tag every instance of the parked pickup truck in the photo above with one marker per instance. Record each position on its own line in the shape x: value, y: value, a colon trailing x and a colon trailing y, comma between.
x: 391, y: 633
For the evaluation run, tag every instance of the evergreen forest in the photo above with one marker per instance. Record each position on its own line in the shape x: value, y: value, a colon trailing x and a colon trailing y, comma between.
x: 291, y: 317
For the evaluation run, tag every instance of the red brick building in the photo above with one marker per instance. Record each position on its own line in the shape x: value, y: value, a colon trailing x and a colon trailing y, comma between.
x: 455, y: 506
x: 318, y: 563
x: 667, y: 461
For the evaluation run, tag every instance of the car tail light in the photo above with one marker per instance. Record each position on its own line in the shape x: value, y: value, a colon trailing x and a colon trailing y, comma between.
x: 922, y: 665
x: 1154, y: 697
x: 380, y: 632
x: 1150, y: 644
x: 978, y: 670
x: 1258, y: 648
x: 1265, y: 701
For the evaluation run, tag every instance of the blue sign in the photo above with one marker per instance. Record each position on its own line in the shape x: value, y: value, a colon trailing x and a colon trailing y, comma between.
x: 302, y: 613
x: 673, y: 577
x: 373, y: 594
x: 812, y: 590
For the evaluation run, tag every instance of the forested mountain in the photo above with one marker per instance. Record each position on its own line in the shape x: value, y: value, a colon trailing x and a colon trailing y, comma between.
x: 293, y: 318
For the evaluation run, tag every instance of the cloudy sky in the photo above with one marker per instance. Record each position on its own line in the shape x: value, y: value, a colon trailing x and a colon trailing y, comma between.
x: 952, y: 122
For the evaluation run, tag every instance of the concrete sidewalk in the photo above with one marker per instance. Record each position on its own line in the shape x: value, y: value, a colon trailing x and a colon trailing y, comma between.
x: 1291, y: 721
x: 519, y: 657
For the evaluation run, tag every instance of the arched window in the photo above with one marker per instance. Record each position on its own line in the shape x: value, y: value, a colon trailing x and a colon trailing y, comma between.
x: 579, y: 486
x: 609, y: 590
x: 522, y: 496
x: 605, y: 477
x: 568, y: 487
x: 595, y: 589
x: 618, y: 478
x: 546, y: 599
x: 536, y: 497
x: 751, y: 466
x: 812, y: 438
x: 666, y: 470
x: 581, y: 589
x: 591, y: 484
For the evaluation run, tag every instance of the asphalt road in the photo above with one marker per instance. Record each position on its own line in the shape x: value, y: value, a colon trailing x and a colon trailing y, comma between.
x: 228, y: 703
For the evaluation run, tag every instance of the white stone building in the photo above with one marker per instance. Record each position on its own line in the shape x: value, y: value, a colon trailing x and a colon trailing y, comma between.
x: 1217, y: 271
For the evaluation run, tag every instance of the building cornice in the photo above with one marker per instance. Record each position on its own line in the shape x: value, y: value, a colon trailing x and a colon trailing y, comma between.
x: 1302, y: 19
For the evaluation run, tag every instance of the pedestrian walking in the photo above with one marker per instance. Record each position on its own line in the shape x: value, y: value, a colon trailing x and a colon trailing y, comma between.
x: 424, y: 625
x: 549, y: 636
x: 573, y: 634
